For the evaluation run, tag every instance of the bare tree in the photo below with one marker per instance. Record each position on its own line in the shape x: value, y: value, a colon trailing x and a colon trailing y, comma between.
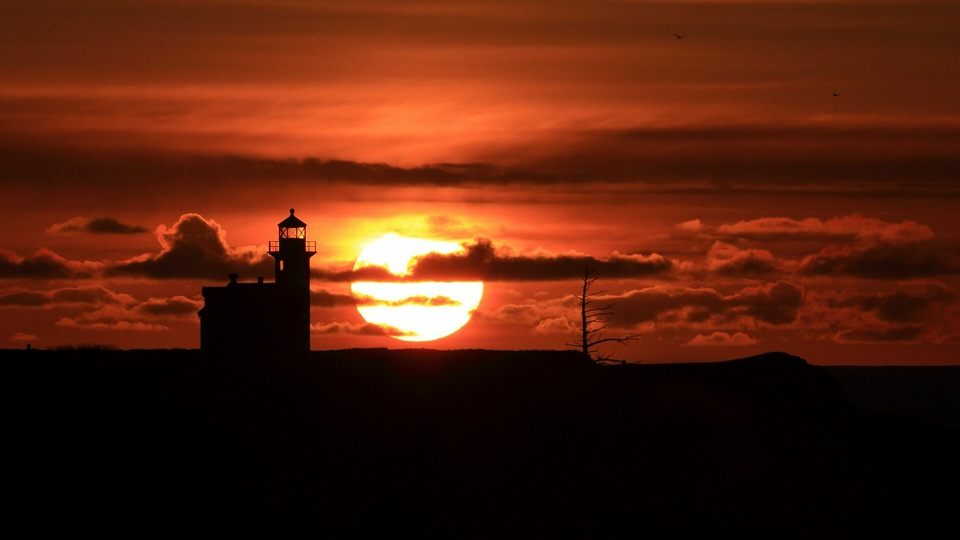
x: 593, y: 321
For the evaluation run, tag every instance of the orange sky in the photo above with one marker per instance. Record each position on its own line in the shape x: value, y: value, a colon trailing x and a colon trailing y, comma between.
x: 735, y: 204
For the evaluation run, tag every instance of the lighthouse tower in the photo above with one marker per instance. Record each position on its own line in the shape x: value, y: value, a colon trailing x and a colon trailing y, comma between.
x: 264, y: 319
x: 292, y: 253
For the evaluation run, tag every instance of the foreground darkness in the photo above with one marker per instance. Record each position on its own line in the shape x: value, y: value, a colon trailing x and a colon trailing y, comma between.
x: 458, y: 444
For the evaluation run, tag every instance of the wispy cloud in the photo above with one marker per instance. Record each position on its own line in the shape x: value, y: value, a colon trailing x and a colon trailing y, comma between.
x: 101, y: 225
x: 21, y: 336
x: 68, y: 296
x: 721, y: 339
x: 359, y: 329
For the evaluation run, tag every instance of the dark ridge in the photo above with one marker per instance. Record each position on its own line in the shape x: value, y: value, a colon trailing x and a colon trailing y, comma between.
x: 457, y: 444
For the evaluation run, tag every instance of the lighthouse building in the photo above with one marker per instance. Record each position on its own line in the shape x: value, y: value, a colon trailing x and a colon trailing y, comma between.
x: 262, y: 318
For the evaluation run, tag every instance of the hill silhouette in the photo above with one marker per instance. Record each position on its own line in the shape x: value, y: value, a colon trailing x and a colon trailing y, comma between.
x: 466, y: 444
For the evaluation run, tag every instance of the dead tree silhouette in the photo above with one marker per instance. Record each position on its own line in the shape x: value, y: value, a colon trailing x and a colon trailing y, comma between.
x: 593, y: 321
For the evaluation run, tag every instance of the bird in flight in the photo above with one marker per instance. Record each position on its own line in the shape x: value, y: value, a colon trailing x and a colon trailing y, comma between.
x: 836, y: 94
x: 679, y: 36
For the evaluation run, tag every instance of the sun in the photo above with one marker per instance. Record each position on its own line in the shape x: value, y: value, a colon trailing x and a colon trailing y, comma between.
x: 413, y: 310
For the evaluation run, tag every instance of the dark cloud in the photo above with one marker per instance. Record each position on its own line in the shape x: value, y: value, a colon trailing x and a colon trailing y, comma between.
x: 102, y: 225
x: 656, y: 303
x: 365, y: 329
x: 324, y: 298
x: 104, y: 309
x: 728, y: 260
x: 882, y: 260
x: 897, y: 306
x: 881, y: 334
x: 767, y: 158
x: 894, y: 307
x: 25, y: 299
x: 924, y: 312
x: 482, y: 260
x: 50, y: 166
x: 131, y: 315
x: 194, y: 248
x: 705, y: 159
x: 43, y: 264
x: 87, y: 295
x: 773, y: 304
x: 113, y: 226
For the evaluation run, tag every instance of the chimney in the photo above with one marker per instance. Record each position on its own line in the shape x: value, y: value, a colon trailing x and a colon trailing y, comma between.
x: 234, y: 278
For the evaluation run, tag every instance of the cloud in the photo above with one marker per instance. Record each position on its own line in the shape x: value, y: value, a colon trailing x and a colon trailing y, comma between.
x: 147, y: 316
x: 143, y: 169
x: 773, y: 304
x: 883, y: 260
x: 115, y: 325
x: 20, y: 336
x: 325, y: 299
x: 693, y: 225
x: 483, y: 260
x: 859, y: 247
x: 714, y: 155
x: 880, y: 334
x: 116, y: 318
x: 729, y: 260
x: 364, y: 329
x: 92, y: 295
x: 924, y: 312
x: 764, y: 157
x: 721, y: 339
x: 347, y: 273
x: 556, y: 325
x: 194, y: 248
x: 419, y: 300
x: 850, y: 227
x: 898, y: 306
x: 513, y: 314
x: 445, y: 226
x: 177, y: 306
x: 104, y: 309
x: 44, y: 264
x: 102, y: 225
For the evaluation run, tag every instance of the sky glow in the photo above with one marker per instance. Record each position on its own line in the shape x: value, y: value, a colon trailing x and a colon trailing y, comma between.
x: 785, y: 177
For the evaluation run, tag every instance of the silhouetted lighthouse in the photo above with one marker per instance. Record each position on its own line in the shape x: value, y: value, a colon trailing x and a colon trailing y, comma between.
x: 264, y: 318
x: 292, y: 253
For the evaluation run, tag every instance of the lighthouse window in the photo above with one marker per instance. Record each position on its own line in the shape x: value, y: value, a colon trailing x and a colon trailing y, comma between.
x: 281, y: 266
x: 293, y: 232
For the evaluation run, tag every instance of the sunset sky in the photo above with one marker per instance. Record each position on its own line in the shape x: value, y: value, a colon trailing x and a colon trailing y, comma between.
x: 785, y: 175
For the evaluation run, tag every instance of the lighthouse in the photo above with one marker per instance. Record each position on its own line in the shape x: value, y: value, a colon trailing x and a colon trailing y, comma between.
x: 261, y: 318
x: 291, y: 253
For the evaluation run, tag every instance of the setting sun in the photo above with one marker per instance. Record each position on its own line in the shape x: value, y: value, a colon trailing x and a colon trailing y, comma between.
x: 413, y: 310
